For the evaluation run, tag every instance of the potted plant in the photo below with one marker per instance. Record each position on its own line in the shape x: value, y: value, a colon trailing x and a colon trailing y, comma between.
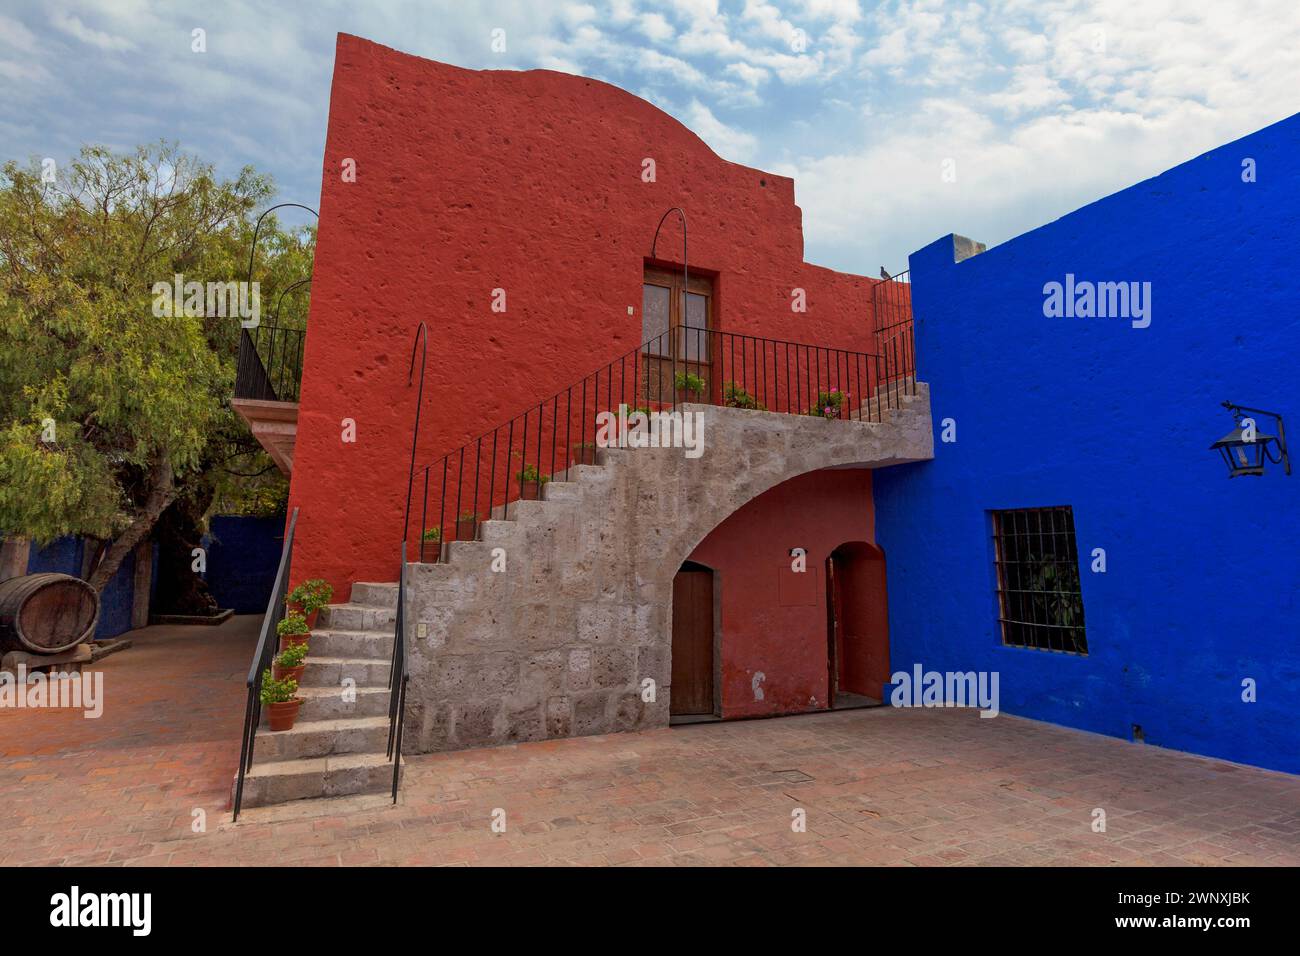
x: 584, y: 453
x: 733, y: 396
x: 466, y: 526
x: 530, y: 483
x: 689, y: 387
x: 432, y: 538
x: 309, y: 597
x: 293, y: 630
x: 281, y: 700
x: 829, y: 404
x: 290, y: 662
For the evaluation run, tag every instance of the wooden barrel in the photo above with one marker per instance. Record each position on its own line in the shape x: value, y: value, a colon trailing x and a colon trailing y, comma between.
x: 46, y: 613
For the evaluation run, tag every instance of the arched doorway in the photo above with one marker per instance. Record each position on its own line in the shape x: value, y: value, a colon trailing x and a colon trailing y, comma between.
x: 857, y: 625
x: 694, y: 688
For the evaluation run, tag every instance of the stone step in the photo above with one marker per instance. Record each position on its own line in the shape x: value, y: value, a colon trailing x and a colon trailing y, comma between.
x: 473, y: 554
x: 359, y: 644
x: 563, y: 491
x: 320, y: 738
x: 357, y: 617
x: 497, y: 532
x: 577, y: 473
x: 376, y: 595
x: 327, y: 703
x: 317, y: 807
x: 332, y: 776
x: 332, y: 671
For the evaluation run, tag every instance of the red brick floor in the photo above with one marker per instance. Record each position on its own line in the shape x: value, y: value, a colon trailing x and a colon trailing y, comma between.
x: 883, y: 786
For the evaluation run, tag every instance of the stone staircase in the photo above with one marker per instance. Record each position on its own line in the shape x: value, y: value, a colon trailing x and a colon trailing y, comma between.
x: 562, y: 641
x: 337, y: 746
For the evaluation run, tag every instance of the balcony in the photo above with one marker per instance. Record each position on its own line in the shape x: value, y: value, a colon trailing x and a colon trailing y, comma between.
x: 267, y: 380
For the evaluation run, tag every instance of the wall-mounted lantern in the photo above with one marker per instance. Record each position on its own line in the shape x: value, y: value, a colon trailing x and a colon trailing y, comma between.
x: 1245, y: 448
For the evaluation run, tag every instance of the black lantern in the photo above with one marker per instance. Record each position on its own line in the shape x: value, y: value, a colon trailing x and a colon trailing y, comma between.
x: 1245, y: 449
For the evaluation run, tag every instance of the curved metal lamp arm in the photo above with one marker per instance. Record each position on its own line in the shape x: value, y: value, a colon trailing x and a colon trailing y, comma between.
x: 275, y: 314
x: 421, y: 332
x: 686, y: 276
x: 252, y: 249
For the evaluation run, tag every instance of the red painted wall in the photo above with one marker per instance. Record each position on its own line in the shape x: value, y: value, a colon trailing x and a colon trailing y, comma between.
x: 762, y: 631
x: 530, y: 181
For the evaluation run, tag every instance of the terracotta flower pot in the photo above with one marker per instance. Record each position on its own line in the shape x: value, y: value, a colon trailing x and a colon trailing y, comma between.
x: 687, y: 395
x: 289, y: 640
x: 279, y: 673
x: 466, y: 529
x: 311, y: 618
x: 583, y: 455
x: 530, y: 490
x: 283, y: 715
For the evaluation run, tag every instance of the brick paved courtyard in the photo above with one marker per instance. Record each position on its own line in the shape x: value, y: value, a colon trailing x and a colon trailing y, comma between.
x: 877, y: 786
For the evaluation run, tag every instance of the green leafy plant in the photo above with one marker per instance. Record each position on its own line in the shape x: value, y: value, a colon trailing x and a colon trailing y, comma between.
x: 687, y: 382
x: 292, y: 656
x: 310, y: 596
x: 829, y: 404
x: 468, y: 516
x: 277, y: 691
x: 530, y: 473
x: 292, y: 623
x: 733, y: 396
x: 113, y: 423
x: 433, y: 534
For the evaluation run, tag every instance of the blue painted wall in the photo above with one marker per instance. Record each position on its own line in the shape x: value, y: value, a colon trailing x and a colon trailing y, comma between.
x: 243, y: 555
x: 64, y: 556
x: 1203, y: 583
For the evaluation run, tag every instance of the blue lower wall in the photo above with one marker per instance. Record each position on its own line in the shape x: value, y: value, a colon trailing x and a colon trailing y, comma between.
x: 1202, y: 587
x: 243, y: 555
x: 65, y: 556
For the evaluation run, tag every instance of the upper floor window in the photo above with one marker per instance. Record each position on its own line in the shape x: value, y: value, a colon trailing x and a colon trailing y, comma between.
x: 1040, y: 599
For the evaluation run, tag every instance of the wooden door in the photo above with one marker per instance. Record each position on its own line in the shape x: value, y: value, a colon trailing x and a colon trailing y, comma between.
x: 834, y: 634
x: 674, y: 329
x: 692, y: 670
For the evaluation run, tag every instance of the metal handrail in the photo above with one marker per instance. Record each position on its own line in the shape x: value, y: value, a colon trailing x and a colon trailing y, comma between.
x: 744, y: 371
x: 270, y: 363
x: 397, y: 676
x: 262, y: 658
x: 397, y: 680
x: 891, y: 302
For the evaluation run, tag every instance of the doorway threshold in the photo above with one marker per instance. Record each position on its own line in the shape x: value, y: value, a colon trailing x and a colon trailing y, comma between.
x: 847, y: 701
x: 679, y: 720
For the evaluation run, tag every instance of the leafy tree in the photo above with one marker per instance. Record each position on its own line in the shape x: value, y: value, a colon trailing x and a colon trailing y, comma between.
x: 109, y: 414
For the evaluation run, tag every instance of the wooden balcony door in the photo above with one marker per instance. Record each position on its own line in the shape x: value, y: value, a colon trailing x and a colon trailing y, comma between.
x: 675, y: 328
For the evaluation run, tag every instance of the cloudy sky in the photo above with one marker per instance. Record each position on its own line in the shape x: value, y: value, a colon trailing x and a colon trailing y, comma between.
x: 1033, y: 107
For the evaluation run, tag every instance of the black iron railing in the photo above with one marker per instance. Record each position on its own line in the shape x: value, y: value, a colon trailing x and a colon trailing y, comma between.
x: 267, y: 643
x: 398, y: 679
x: 891, y: 302
x: 270, y: 363
x: 397, y: 675
x: 483, y: 478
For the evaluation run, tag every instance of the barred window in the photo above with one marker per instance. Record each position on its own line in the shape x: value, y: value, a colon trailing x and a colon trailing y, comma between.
x: 1039, y: 596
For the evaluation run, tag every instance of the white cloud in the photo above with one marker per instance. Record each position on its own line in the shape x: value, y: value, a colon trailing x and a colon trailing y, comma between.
x: 727, y: 141
x: 73, y: 27
x: 656, y: 28
x: 1043, y: 104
